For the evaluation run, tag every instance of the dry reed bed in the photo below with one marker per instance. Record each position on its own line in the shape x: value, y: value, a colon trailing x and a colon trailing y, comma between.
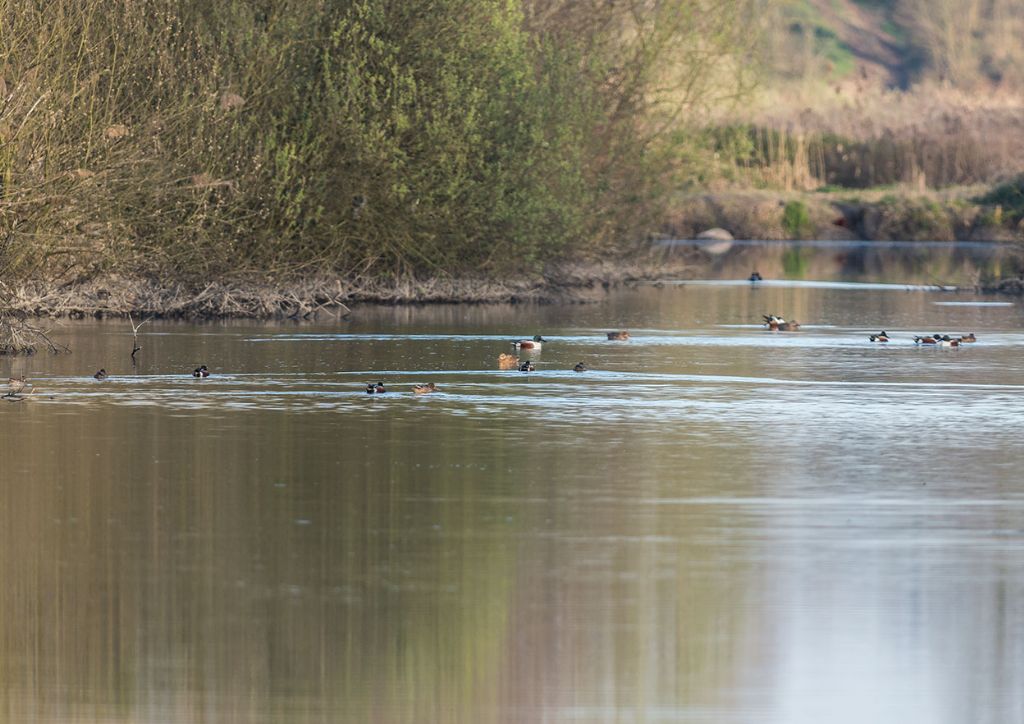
x: 931, y: 137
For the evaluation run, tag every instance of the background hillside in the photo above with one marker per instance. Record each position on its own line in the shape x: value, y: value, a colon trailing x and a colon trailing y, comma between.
x: 973, y: 45
x: 873, y: 92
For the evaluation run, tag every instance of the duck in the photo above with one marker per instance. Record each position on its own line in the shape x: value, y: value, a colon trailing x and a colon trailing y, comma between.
x: 201, y: 371
x: 880, y: 337
x: 579, y: 367
x: 101, y: 374
x: 773, y: 321
x: 527, y: 366
x: 534, y: 343
x: 621, y: 336
x: 926, y: 340
x: 16, y: 385
x: 375, y: 388
x: 425, y: 389
x: 507, y: 361
x: 755, y: 276
x: 778, y: 324
x: 968, y: 338
x: 947, y: 341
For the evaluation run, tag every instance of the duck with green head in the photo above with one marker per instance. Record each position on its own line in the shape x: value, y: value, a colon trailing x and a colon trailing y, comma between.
x: 534, y: 343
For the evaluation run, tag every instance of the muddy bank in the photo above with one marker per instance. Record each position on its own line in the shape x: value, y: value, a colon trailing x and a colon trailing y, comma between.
x: 304, y: 298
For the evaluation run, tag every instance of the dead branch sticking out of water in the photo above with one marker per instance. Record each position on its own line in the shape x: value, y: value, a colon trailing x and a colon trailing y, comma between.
x: 135, y: 335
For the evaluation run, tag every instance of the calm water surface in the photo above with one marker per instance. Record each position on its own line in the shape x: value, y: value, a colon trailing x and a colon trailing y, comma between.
x: 714, y: 524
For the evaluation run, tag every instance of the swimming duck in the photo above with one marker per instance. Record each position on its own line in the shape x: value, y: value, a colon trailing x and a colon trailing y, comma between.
x: 16, y: 385
x: 527, y: 366
x: 880, y: 337
x: 618, y: 336
x: 925, y: 340
x: 947, y: 341
x: 201, y: 371
x: 101, y: 374
x: 968, y: 338
x: 425, y: 389
x: 778, y: 324
x: 375, y: 388
x: 773, y: 321
x: 534, y: 343
x: 755, y: 276
x: 579, y: 367
x: 507, y: 361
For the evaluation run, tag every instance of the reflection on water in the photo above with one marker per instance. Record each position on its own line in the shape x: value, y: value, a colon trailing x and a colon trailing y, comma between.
x: 715, y: 524
x: 942, y: 263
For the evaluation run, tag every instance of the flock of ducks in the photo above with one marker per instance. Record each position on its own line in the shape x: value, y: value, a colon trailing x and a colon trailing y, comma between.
x: 506, y: 361
x: 776, y: 323
x: 942, y: 341
x: 16, y: 386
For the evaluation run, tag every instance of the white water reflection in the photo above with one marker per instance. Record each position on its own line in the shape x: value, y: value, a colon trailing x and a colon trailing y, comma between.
x: 803, y: 284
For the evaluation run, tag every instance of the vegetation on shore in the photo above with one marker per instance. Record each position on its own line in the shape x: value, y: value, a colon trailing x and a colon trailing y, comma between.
x: 396, y: 149
x: 885, y: 214
x: 189, y: 141
x: 881, y: 119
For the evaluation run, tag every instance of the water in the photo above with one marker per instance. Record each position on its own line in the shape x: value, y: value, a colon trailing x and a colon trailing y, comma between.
x: 715, y: 524
x: 937, y: 263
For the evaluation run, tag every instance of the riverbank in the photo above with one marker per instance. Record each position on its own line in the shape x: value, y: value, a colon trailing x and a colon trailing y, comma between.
x: 885, y: 214
x: 304, y: 298
x: 307, y: 297
x: 878, y: 215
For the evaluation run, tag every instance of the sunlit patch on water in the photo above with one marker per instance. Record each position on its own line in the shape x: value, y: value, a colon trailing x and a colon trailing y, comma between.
x: 809, y: 336
x: 604, y: 397
x: 355, y: 337
x: 805, y: 284
x: 973, y: 304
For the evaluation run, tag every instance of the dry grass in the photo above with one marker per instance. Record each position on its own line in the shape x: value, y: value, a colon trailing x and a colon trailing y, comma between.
x: 928, y: 138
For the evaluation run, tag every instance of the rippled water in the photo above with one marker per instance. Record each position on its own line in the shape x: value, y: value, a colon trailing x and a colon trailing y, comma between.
x: 716, y: 523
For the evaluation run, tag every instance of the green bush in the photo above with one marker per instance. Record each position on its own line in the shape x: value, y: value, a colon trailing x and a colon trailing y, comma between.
x: 796, y: 220
x: 192, y: 138
x: 1008, y: 196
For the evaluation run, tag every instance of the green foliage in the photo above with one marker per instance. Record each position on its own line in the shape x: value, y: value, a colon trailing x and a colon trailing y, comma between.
x: 914, y: 219
x: 796, y: 220
x: 1008, y: 197
x: 365, y: 138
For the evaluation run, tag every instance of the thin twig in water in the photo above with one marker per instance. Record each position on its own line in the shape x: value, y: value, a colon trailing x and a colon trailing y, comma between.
x: 135, y: 335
